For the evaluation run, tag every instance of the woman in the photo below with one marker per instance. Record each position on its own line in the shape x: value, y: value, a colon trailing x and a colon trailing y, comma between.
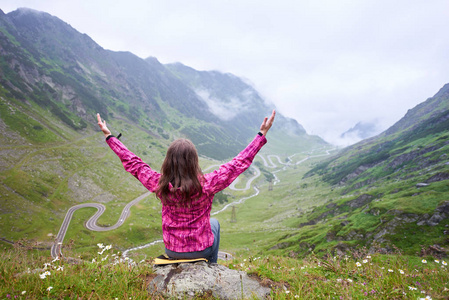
x: 186, y: 194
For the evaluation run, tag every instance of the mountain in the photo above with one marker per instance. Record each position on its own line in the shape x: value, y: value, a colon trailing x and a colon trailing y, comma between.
x: 360, y: 131
x: 53, y: 80
x: 384, y: 193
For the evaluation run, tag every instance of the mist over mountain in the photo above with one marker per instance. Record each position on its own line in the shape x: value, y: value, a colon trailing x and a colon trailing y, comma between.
x: 362, y: 130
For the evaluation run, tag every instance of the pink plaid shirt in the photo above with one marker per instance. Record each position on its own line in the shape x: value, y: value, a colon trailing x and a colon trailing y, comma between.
x: 186, y: 228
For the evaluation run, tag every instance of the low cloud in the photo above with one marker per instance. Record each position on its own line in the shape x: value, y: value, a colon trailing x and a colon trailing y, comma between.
x: 224, y: 109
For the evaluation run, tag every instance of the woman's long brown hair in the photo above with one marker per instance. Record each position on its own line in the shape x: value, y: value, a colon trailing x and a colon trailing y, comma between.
x: 182, y: 170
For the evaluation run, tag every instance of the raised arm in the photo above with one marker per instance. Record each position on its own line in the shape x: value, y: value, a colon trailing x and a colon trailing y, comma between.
x: 131, y: 162
x: 228, y: 172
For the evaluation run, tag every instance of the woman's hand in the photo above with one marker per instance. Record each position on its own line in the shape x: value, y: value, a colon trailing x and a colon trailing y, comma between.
x: 267, y: 122
x: 103, y: 126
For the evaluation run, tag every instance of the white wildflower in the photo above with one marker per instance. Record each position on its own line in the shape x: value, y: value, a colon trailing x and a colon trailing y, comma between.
x: 49, y: 288
x: 44, y: 275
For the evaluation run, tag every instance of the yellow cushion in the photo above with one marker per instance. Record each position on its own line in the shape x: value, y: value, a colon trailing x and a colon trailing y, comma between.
x: 165, y: 260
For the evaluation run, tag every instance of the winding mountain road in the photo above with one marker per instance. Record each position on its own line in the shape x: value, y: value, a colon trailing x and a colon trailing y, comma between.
x: 91, y: 224
x: 248, y: 183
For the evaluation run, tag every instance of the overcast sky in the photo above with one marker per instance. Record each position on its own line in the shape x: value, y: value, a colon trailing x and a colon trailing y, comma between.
x: 327, y: 64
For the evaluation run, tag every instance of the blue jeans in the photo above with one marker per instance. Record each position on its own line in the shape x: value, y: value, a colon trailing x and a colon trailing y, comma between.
x: 210, y: 253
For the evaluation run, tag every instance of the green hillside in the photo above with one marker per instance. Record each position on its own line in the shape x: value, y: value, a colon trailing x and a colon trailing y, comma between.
x: 385, y: 192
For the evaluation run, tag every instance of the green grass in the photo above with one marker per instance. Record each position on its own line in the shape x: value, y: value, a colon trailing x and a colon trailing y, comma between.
x: 25, y: 125
x: 108, y: 277
x: 356, y: 276
x: 103, y: 274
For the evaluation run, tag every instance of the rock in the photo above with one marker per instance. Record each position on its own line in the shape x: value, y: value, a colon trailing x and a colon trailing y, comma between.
x: 441, y: 213
x: 282, y: 245
x: 421, y: 184
x: 341, y: 249
x: 435, y: 219
x: 331, y: 205
x: 438, y: 177
x: 185, y: 281
x: 360, y: 201
x: 344, y: 223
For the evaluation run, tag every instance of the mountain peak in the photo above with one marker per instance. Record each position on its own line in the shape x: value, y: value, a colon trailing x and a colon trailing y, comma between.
x: 29, y: 12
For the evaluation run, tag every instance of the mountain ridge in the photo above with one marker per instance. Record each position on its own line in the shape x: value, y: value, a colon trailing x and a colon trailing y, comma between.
x: 85, y: 78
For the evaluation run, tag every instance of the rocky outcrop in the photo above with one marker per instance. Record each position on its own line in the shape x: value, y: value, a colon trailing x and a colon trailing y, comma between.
x: 338, y: 209
x: 360, y: 201
x: 441, y: 213
x: 438, y: 177
x: 186, y: 281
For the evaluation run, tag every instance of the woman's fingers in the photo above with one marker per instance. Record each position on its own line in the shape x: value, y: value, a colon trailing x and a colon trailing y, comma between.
x: 101, y: 123
x: 273, y: 114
